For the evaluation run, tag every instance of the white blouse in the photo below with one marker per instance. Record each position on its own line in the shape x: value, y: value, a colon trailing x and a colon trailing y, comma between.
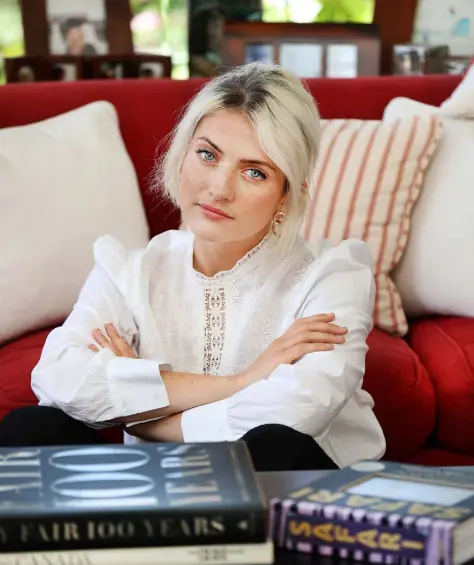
x: 179, y: 319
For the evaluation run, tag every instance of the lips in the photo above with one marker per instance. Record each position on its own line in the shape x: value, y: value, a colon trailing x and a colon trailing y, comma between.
x: 215, y: 211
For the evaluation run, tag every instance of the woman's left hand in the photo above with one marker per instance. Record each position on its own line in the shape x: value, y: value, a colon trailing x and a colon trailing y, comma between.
x: 113, y: 341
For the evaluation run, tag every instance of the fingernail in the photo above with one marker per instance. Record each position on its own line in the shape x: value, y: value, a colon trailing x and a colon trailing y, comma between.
x: 109, y: 326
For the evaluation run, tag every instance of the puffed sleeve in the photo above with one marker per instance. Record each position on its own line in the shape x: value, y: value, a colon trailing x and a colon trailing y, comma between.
x: 310, y: 393
x: 97, y: 387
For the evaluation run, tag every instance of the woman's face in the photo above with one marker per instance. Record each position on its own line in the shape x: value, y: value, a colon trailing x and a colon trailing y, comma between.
x: 229, y: 189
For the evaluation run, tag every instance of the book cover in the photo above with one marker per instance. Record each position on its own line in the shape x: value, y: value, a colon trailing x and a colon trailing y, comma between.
x: 379, y: 511
x: 222, y: 554
x: 67, y: 497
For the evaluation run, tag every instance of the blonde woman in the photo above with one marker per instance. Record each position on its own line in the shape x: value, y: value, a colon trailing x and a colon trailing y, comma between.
x: 235, y: 329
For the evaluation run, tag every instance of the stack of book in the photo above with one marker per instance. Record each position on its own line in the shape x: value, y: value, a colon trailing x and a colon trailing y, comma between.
x: 154, y: 503
x: 381, y: 512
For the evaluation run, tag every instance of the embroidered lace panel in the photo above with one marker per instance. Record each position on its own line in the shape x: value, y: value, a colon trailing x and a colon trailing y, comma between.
x: 214, y: 329
x: 218, y: 277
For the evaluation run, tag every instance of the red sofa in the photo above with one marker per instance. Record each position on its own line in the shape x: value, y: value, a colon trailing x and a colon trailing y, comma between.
x: 423, y: 385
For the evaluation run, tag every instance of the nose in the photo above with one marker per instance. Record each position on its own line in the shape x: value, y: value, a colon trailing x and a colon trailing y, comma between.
x: 221, y: 185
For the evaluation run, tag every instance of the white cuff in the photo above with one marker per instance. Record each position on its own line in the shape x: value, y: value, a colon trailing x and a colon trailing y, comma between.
x: 135, y: 386
x: 207, y: 423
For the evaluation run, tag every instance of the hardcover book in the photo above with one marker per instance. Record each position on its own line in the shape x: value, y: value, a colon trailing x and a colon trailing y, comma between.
x: 222, y: 554
x: 73, y: 497
x: 381, y: 512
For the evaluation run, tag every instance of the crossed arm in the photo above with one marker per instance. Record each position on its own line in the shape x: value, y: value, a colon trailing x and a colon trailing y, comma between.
x: 287, y: 384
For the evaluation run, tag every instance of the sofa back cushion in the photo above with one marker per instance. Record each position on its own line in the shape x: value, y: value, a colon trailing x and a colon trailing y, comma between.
x: 148, y: 110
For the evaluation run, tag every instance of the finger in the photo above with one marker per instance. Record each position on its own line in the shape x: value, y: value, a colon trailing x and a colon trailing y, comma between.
x: 329, y: 317
x: 117, y: 340
x: 103, y: 341
x: 93, y: 348
x: 318, y: 318
x: 326, y: 328
x: 293, y: 354
x: 313, y: 337
x: 322, y: 327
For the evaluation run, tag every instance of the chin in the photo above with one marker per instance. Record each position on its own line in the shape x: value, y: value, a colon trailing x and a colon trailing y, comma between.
x: 209, y: 232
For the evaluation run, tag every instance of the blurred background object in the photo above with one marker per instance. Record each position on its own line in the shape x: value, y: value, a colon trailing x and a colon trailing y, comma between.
x: 327, y: 11
x: 160, y: 27
x: 413, y: 59
x: 192, y: 33
x: 11, y: 33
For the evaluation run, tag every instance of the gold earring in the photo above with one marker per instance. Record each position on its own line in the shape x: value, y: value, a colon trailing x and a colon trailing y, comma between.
x: 276, y: 222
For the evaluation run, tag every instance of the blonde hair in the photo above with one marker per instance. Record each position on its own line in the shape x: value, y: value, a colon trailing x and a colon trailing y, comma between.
x: 285, y: 118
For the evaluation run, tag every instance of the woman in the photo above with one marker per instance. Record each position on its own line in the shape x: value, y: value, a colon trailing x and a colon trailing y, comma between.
x: 234, y: 329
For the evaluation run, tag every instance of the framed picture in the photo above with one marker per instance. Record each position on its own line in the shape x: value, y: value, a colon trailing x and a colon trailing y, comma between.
x: 62, y: 68
x: 76, y: 27
x: 26, y: 69
x: 261, y: 52
x: 138, y: 65
x: 65, y: 68
x: 304, y: 59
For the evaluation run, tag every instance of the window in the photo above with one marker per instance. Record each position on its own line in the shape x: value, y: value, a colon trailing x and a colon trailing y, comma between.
x: 301, y: 11
x: 11, y: 33
x: 161, y: 27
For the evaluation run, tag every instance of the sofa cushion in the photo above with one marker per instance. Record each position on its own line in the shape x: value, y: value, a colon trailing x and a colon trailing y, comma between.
x: 404, y: 397
x: 369, y: 175
x: 461, y: 102
x: 438, y: 457
x: 442, y: 230
x: 63, y: 183
x: 446, y: 347
x: 17, y: 360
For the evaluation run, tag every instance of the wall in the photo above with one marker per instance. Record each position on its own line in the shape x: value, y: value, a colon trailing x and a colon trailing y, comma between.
x: 446, y: 22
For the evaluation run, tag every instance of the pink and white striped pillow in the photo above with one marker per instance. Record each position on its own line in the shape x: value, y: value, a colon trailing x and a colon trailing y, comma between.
x: 369, y: 176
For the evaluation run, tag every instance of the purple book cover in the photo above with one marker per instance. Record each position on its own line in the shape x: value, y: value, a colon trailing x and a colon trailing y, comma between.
x: 378, y: 512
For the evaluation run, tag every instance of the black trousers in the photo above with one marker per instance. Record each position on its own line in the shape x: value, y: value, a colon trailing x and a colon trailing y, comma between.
x: 273, y: 447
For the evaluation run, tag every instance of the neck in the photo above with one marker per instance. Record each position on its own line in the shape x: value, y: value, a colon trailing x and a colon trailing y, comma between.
x: 210, y: 258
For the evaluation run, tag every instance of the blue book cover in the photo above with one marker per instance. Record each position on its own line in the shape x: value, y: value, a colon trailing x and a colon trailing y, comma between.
x: 124, y: 496
x: 379, y: 510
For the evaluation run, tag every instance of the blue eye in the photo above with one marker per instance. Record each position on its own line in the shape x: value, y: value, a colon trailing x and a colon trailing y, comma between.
x: 205, y: 155
x: 256, y: 174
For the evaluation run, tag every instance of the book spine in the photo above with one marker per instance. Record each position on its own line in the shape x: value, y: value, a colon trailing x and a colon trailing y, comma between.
x: 361, y: 534
x: 254, y: 554
x: 132, y: 529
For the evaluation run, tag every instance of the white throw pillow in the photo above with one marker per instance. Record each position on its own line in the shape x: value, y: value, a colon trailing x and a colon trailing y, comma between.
x: 436, y: 273
x: 461, y: 102
x: 63, y: 183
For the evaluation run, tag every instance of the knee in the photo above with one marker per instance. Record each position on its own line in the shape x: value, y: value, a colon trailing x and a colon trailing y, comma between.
x: 277, y: 432
x: 18, y: 426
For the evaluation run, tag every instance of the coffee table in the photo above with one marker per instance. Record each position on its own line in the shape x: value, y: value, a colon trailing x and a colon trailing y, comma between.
x: 276, y: 483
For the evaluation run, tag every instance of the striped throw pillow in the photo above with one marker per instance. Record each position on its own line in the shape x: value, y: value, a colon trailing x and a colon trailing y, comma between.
x: 369, y: 175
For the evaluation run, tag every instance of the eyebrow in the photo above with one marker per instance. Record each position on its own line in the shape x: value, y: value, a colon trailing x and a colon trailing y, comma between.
x: 246, y: 161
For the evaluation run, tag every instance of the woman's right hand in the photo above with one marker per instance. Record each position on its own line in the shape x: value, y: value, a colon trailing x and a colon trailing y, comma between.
x: 305, y: 335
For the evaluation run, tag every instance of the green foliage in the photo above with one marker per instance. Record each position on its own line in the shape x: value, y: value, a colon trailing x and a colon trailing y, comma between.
x: 345, y: 11
x: 11, y: 33
x: 341, y: 11
x: 170, y: 37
